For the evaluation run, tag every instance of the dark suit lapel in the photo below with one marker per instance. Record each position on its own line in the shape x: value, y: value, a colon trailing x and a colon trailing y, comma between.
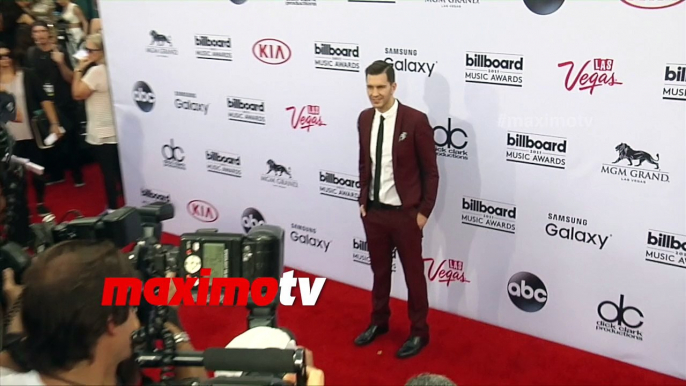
x: 397, y: 130
x: 366, y: 127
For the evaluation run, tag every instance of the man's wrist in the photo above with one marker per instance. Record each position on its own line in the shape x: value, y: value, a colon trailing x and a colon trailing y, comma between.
x: 181, y: 338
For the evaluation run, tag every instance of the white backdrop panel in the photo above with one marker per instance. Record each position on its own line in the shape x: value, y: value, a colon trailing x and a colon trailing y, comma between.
x: 580, y: 225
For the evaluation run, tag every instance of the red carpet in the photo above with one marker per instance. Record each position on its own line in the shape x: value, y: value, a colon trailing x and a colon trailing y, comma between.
x: 466, y: 351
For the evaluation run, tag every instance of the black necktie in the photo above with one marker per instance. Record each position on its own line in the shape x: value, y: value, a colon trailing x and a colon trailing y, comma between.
x: 379, y: 154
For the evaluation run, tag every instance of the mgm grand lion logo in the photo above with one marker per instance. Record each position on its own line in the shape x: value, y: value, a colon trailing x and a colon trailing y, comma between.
x: 626, y: 152
x: 278, y: 170
x: 159, y: 39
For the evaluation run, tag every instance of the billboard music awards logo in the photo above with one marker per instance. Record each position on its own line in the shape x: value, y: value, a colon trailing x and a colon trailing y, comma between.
x: 213, y: 47
x: 227, y: 164
x: 246, y: 110
x: 306, y: 117
x: 361, y: 253
x: 337, y: 56
x: 403, y: 60
x: 447, y: 271
x: 450, y: 142
x: 589, y: 78
x: 144, y: 96
x: 635, y: 166
x: 652, y: 4
x: 675, y: 82
x: 161, y: 45
x: 312, y: 3
x: 493, y: 215
x: 202, y: 211
x: 173, y: 156
x: 339, y: 185
x: 619, y: 319
x: 666, y: 248
x: 251, y: 218
x: 572, y: 229
x: 527, y: 292
x: 279, y: 175
x: 271, y: 51
x: 152, y: 195
x: 305, y: 235
x: 185, y: 101
x: 495, y: 69
x: 536, y: 149
x: 452, y: 3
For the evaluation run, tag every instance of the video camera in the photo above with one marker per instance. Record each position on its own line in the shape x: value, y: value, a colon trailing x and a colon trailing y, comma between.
x: 259, y: 253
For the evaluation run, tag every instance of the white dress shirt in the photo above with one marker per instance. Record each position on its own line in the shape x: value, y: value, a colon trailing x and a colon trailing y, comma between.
x: 387, y: 194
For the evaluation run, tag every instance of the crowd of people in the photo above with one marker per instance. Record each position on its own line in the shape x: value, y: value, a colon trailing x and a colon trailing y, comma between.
x: 53, y: 61
x: 55, y: 330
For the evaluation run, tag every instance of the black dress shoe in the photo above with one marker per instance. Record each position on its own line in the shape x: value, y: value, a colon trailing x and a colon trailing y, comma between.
x: 412, y: 347
x: 370, y: 334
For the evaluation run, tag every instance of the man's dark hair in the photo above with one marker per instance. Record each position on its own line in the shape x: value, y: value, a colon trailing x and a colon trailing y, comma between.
x: 429, y: 379
x: 40, y: 23
x: 379, y: 67
x: 62, y: 309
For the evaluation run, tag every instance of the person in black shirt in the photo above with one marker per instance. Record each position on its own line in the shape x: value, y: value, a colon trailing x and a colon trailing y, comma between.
x: 54, y: 73
x: 12, y: 15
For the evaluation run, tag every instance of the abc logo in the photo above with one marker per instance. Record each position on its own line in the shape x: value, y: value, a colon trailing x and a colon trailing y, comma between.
x: 527, y: 292
x: 543, y: 7
x: 239, y: 2
x: 251, y: 218
x: 143, y: 96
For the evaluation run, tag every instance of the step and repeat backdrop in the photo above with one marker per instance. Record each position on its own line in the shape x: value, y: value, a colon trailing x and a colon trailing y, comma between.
x: 560, y: 131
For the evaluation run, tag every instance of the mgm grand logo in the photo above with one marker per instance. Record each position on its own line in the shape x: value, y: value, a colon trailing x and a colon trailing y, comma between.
x: 636, y: 166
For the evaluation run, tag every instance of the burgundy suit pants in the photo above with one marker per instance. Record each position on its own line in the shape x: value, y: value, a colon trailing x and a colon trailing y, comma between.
x: 386, y: 229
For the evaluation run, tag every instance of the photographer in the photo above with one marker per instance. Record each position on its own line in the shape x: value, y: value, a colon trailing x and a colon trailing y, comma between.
x: 60, y: 334
x: 70, y: 338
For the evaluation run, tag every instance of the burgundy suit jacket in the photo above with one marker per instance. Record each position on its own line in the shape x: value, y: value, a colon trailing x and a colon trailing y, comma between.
x: 414, y: 159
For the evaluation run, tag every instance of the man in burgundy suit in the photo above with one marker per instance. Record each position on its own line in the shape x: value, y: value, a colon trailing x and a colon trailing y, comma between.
x: 398, y: 187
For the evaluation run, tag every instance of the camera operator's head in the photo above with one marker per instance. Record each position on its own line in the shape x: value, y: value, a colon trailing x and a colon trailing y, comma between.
x: 69, y: 331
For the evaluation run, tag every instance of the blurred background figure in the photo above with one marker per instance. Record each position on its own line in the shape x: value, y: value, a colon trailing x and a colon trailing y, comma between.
x: 12, y: 15
x: 54, y: 75
x: 76, y: 26
x: 91, y: 84
x: 16, y: 81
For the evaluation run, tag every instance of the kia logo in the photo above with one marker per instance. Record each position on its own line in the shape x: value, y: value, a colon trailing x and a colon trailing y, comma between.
x: 251, y: 218
x: 202, y: 211
x: 652, y: 4
x: 543, y: 7
x: 271, y: 51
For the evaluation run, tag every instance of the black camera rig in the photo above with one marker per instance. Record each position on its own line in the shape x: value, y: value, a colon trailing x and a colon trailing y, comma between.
x: 254, y: 255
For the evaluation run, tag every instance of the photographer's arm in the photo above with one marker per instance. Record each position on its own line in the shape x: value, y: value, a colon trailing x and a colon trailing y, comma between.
x: 186, y: 372
x: 11, y: 291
